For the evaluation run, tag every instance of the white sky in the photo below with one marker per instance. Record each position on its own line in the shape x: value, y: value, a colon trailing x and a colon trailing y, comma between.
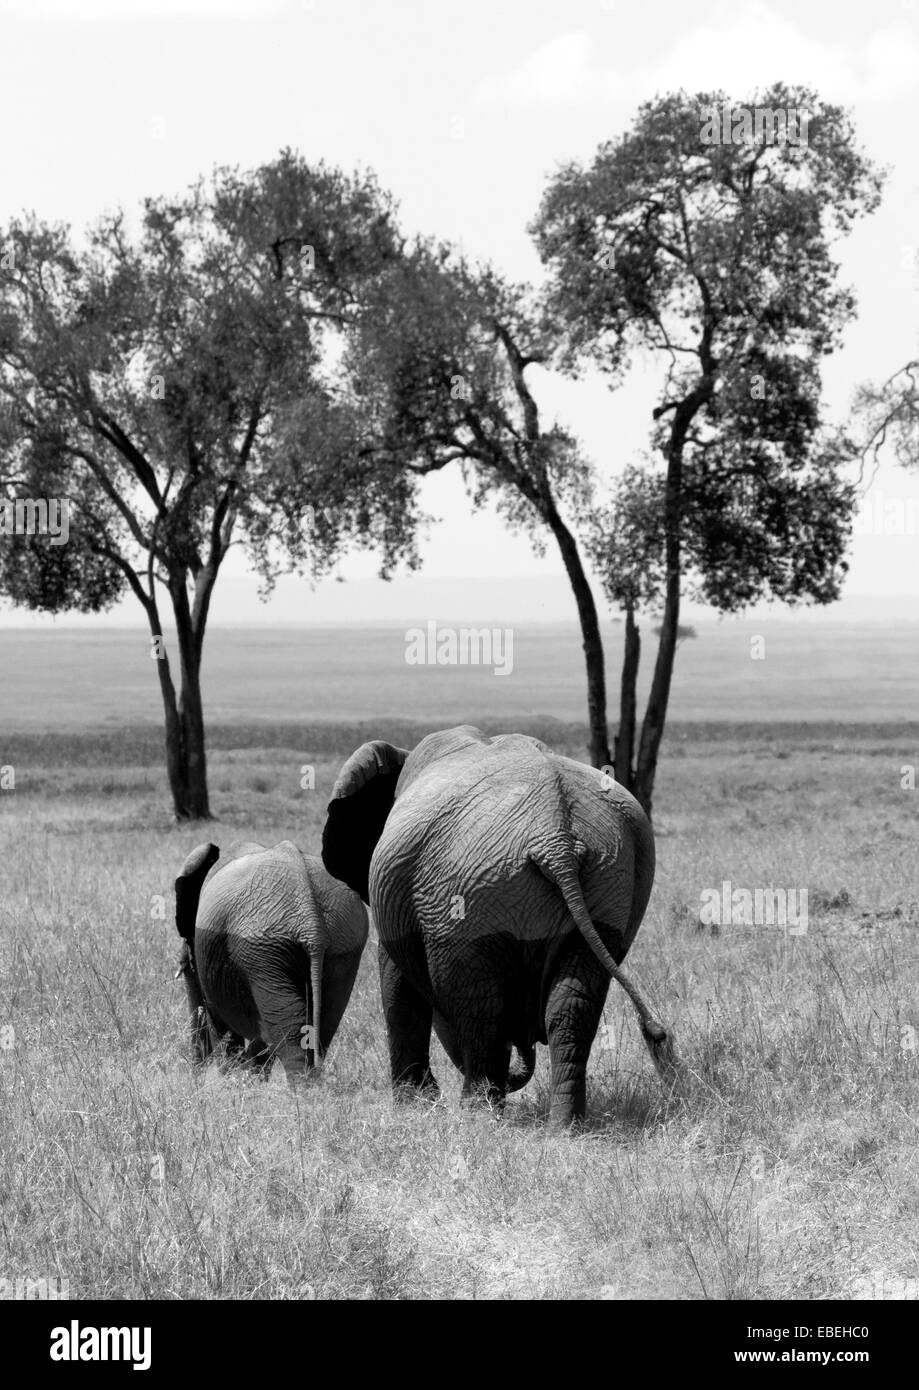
x: 463, y: 111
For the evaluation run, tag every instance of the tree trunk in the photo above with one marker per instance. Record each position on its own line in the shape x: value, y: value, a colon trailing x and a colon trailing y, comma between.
x: 592, y: 641
x: 190, y: 713
x: 624, y: 742
x: 196, y: 805
x: 185, y: 758
x: 652, y: 729
x: 186, y: 765
x: 175, y: 762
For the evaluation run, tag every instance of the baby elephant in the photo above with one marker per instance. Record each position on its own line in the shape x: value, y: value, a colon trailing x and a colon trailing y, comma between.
x: 272, y: 944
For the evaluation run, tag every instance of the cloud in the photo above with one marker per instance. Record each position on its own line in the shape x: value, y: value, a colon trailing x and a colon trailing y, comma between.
x: 750, y: 50
x: 554, y: 75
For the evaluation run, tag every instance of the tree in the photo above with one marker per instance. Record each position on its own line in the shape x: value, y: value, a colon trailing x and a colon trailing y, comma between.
x: 778, y: 532
x: 175, y: 392
x: 717, y: 255
x: 441, y: 368
x: 889, y: 414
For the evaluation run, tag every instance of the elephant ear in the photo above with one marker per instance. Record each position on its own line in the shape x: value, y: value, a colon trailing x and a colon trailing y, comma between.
x: 362, y: 799
x: 188, y: 887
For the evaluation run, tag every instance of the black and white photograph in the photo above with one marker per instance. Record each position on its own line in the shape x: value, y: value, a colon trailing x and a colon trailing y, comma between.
x: 459, y: 665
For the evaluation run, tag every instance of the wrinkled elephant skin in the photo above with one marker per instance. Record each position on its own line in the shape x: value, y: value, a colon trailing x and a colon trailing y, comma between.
x: 507, y: 884
x: 272, y: 944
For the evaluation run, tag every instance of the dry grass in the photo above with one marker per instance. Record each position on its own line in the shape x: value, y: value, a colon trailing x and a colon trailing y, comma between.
x: 790, y: 1169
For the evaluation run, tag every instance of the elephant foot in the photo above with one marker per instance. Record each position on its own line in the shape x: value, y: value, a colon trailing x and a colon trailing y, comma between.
x: 482, y: 1094
x: 568, y: 1104
x: 298, y: 1081
x: 230, y: 1061
x: 564, y: 1118
x: 415, y: 1083
x: 257, y: 1059
x: 299, y: 1066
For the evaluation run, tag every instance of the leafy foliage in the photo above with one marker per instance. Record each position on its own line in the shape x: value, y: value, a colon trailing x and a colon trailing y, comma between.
x: 440, y: 366
x: 177, y: 390
x: 719, y: 256
x: 666, y: 242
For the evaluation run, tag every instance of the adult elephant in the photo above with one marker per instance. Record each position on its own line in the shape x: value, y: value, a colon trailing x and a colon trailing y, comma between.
x: 271, y: 949
x: 507, y: 884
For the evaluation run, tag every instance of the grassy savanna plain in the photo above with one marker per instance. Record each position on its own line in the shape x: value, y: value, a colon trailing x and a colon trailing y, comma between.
x: 788, y: 1169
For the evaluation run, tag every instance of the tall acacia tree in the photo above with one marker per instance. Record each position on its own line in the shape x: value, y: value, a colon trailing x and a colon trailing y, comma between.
x: 441, y: 370
x: 174, y: 390
x: 718, y: 256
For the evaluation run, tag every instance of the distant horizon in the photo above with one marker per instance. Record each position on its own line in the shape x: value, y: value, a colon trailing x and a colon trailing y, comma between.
x: 466, y: 601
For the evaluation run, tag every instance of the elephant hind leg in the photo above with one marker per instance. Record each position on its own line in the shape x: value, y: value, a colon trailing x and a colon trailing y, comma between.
x: 573, y: 1009
x: 408, y: 1017
x: 282, y: 1012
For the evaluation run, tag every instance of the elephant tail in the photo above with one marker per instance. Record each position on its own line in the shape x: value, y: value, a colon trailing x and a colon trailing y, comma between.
x: 560, y: 867
x: 316, y: 990
x: 521, y: 1067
